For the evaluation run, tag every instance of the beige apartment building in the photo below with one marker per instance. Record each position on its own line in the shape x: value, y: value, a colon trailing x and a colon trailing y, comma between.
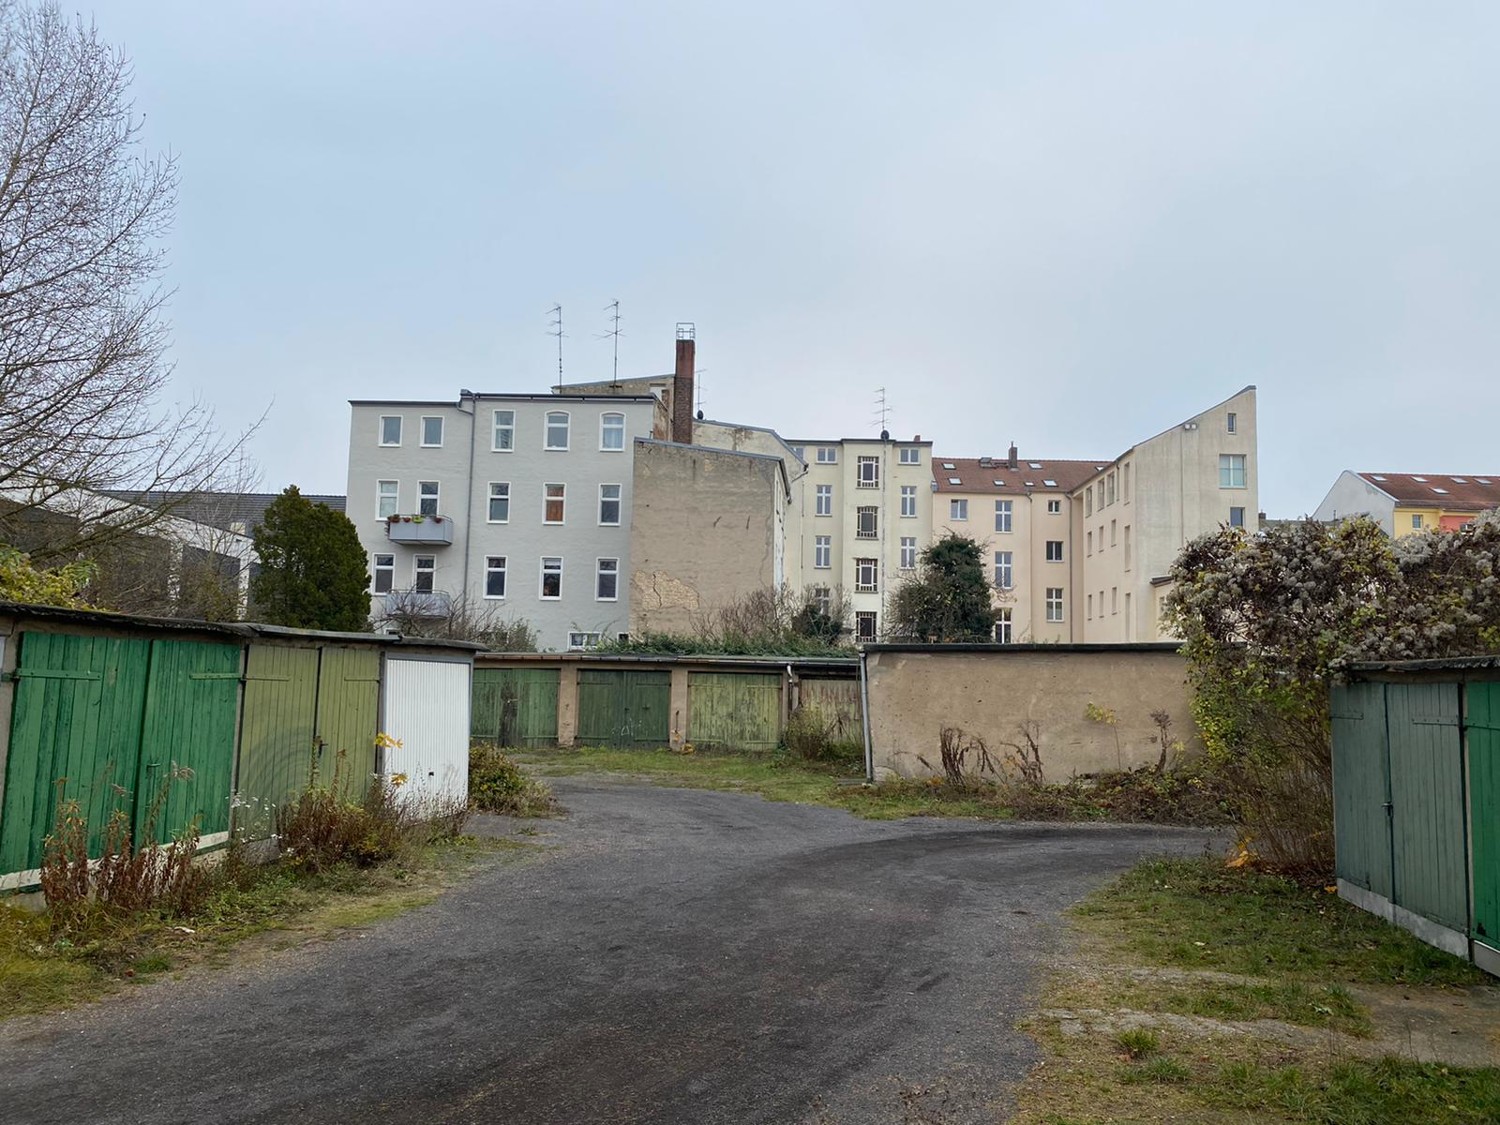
x: 1080, y: 551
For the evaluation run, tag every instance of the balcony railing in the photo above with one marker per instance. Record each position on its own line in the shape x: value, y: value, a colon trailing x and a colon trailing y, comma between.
x: 428, y: 530
x: 417, y: 603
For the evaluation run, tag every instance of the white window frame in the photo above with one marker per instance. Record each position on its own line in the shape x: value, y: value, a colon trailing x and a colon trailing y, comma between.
x: 424, y: 494
x: 867, y: 472
x: 1054, y: 507
x: 1054, y: 550
x: 1233, y: 508
x: 503, y: 494
x: 873, y: 585
x: 490, y: 569
x: 582, y: 641
x: 822, y: 552
x: 541, y: 588
x: 1004, y: 516
x: 600, y: 570
x: 1004, y: 620
x: 1055, y: 605
x: 1232, y: 466
x: 908, y: 552
x: 507, y: 428
x: 860, y: 619
x: 389, y: 570
x: 1232, y: 422
x: 832, y: 455
x: 908, y: 501
x: 417, y: 570
x: 618, y: 499
x: 438, y: 418
x: 909, y: 455
x: 561, y: 498
x: 823, y: 500
x: 381, y: 496
x: 605, y: 427
x: 400, y: 421
x: 861, y: 514
x: 567, y: 428
x: 1005, y: 570
x: 958, y: 510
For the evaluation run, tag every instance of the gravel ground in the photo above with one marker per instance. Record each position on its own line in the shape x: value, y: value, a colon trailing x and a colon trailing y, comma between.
x: 669, y: 955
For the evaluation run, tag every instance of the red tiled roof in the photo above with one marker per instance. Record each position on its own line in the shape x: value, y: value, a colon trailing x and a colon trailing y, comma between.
x: 1438, y: 490
x: 993, y: 474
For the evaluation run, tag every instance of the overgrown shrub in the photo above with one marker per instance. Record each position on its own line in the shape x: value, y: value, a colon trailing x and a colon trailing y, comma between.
x: 814, y: 737
x: 498, y: 785
x: 963, y: 756
x: 773, y: 621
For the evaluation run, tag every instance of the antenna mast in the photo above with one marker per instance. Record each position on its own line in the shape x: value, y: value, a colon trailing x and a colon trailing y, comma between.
x: 613, y: 308
x: 556, y: 329
x: 882, y: 409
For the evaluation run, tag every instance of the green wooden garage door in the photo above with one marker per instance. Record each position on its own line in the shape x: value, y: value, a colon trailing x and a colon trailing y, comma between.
x: 515, y: 706
x: 734, y: 710
x: 349, y: 710
x: 1484, y: 808
x: 624, y: 708
x: 276, y: 734
x: 1361, y: 787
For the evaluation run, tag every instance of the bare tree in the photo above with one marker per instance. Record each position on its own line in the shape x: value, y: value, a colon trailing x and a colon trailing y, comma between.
x: 83, y: 216
x: 458, y: 619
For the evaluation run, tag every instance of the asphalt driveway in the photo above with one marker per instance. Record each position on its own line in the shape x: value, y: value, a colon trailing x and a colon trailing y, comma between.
x: 668, y: 956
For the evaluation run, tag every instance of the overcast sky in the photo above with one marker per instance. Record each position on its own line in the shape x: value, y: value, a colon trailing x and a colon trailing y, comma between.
x: 1067, y: 225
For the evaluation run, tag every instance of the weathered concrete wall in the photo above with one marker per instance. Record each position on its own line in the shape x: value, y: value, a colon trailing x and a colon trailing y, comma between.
x: 1063, y: 695
x: 703, y: 532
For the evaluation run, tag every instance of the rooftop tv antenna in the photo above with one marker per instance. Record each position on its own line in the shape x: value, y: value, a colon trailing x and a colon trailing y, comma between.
x: 882, y: 409
x: 555, y: 329
x: 613, y: 308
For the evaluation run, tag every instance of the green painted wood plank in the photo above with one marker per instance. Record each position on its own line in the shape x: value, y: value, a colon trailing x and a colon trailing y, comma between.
x: 276, y: 732
x: 1361, y: 790
x: 349, y: 712
x: 1483, y: 705
x: 1428, y: 833
x: 734, y: 710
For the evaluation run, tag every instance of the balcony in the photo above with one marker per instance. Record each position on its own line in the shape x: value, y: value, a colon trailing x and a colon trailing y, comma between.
x: 418, y: 604
x: 429, y: 531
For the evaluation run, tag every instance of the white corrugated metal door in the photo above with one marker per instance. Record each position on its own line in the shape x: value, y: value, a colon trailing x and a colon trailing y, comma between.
x: 427, y: 709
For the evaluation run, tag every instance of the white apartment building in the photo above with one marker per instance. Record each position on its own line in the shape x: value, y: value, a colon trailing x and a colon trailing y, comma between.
x: 513, y: 502
x: 865, y: 513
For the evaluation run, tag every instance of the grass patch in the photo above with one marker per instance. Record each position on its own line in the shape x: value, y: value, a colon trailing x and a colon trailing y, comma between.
x: 1197, y: 914
x: 40, y: 972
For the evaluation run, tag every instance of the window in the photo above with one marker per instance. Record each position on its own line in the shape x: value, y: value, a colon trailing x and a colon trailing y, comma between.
x: 388, y: 492
x: 1114, y: 599
x: 908, y: 501
x: 607, y: 580
x: 612, y: 432
x: 822, y: 599
x: 1054, y: 550
x: 958, y: 509
x: 1089, y: 610
x: 1231, y: 470
x: 427, y: 498
x: 1089, y: 543
x: 1114, y: 532
x: 1002, y: 626
x: 1054, y: 603
x: 499, y: 501
x: 554, y: 497
x: 1110, y: 480
x: 1233, y: 421
x: 1416, y: 523
x: 823, y: 552
x: 1003, y: 574
x: 609, y: 505
x: 1127, y: 546
x: 866, y: 575
x: 1100, y: 503
x: 1054, y: 507
x: 908, y: 552
x: 800, y: 451
x: 551, y: 578
x: 581, y: 642
x: 824, y: 500
x: 557, y: 429
x: 505, y: 431
x: 432, y: 431
x: 866, y: 525
x: 494, y: 576
x: 1125, y: 473
x: 1088, y: 501
x: 390, y: 429
x: 1236, y: 517
x: 424, y: 567
x: 385, y: 573
x: 828, y: 455
x: 867, y: 472
x: 909, y: 455
x: 864, y: 626
x: 1003, y: 514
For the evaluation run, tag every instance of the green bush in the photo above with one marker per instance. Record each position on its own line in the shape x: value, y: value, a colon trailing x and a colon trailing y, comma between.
x: 498, y: 785
x: 810, y: 736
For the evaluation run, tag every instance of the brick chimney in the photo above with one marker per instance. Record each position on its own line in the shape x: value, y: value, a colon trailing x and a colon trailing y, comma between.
x: 1012, y: 460
x: 682, y: 386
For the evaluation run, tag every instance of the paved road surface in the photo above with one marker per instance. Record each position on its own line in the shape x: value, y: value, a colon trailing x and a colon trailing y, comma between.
x: 673, y: 956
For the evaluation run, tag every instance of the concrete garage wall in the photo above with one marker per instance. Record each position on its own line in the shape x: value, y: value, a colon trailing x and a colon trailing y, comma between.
x: 992, y: 691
